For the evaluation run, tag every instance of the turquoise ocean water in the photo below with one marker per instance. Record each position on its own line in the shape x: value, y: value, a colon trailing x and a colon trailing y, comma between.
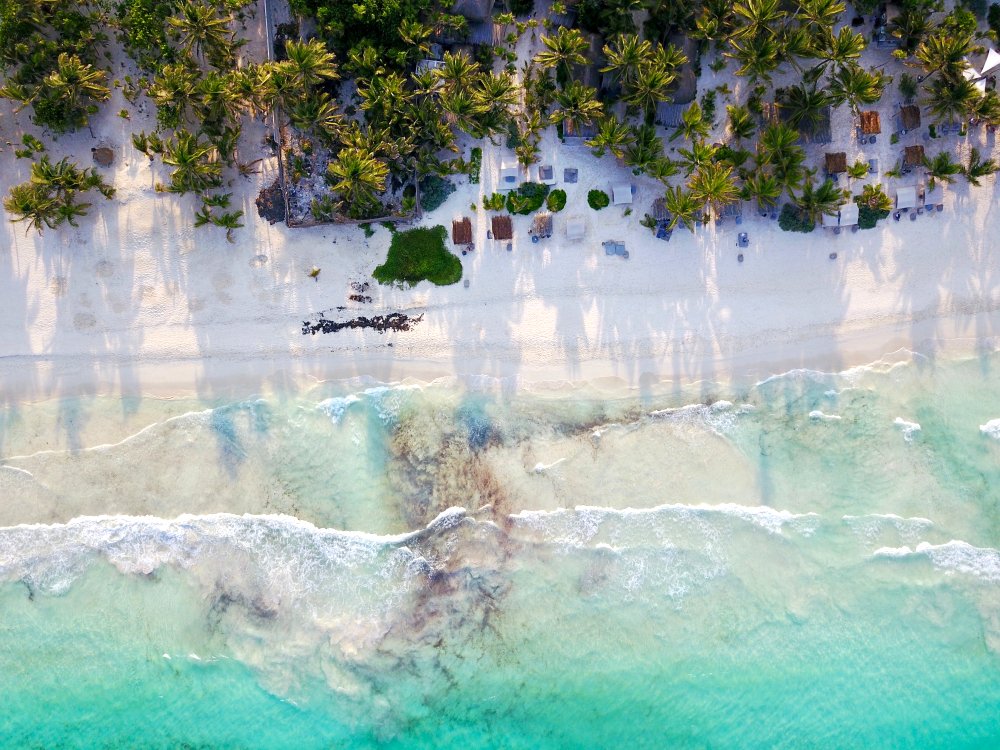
x: 811, y: 562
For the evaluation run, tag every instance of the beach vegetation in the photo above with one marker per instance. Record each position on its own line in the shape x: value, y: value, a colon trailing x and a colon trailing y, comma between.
x: 858, y: 170
x: 714, y: 187
x: 527, y: 199
x: 794, y: 219
x: 475, y: 165
x: 417, y: 255
x: 434, y: 191
x: 815, y: 202
x: 494, y: 202
x: 556, y: 200
x: 941, y: 167
x: 598, y: 199
x: 51, y: 196
x: 741, y: 122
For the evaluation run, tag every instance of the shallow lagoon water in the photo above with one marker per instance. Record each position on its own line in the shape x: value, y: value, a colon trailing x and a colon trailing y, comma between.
x: 809, y: 562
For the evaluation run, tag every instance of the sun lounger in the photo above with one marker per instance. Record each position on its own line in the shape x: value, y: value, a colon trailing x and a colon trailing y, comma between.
x: 743, y: 240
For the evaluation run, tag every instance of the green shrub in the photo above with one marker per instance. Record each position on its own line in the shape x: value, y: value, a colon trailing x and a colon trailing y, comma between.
x: 494, y: 202
x: 475, y: 165
x: 527, y: 198
x: 868, y: 217
x: 598, y: 199
x: 419, y: 254
x: 434, y: 191
x: 556, y: 201
x: 793, y: 220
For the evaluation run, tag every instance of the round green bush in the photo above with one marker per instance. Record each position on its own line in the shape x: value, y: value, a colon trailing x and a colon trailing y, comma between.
x: 598, y: 199
x: 556, y: 200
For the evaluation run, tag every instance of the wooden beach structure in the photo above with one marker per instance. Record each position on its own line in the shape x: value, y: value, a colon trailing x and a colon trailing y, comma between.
x: 461, y: 231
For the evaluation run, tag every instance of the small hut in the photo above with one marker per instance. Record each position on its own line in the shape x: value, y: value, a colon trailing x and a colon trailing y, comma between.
x: 547, y: 174
x: 909, y: 118
x: 871, y: 124
x: 621, y: 194
x: 849, y: 213
x: 542, y: 226
x: 503, y: 228
x: 461, y: 231
x: 836, y: 163
x: 509, y: 176
x: 576, y: 228
x: 913, y: 156
x: 906, y: 197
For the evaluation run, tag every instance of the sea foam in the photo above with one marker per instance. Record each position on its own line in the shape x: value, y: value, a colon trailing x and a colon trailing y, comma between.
x: 954, y: 556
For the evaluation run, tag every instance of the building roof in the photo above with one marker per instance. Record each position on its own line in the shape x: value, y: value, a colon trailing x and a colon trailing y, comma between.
x: 836, y: 163
x: 913, y: 156
x: 510, y: 174
x: 871, y: 124
x: 576, y: 228
x: 909, y: 117
x: 906, y: 197
x: 474, y: 10
x: 542, y: 226
x: 849, y: 214
x: 503, y: 228
x: 621, y: 194
x: 660, y: 212
x: 461, y: 231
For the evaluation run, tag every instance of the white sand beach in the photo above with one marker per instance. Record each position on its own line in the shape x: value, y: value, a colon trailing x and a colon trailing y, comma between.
x: 137, y: 301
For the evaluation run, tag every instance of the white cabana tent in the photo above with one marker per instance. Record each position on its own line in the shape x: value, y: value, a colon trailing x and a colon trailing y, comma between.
x: 970, y: 74
x: 906, y: 197
x: 992, y: 62
x: 934, y: 196
x: 575, y: 228
x: 509, y: 175
x: 621, y: 194
x: 849, y: 214
x: 831, y: 220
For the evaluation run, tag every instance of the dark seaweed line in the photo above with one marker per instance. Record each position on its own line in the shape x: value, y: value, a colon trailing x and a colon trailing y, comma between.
x: 380, y: 323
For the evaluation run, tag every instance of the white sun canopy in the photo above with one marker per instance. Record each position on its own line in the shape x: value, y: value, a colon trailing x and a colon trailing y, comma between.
x: 831, y: 220
x: 575, y: 228
x: 992, y: 61
x: 935, y: 196
x: 621, y: 194
x: 970, y: 74
x: 906, y: 197
x: 849, y: 214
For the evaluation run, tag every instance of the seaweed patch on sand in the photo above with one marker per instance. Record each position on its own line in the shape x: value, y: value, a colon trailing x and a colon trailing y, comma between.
x: 380, y: 323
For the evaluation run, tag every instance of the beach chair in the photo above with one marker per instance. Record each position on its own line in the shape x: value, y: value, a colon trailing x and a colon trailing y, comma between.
x: 743, y: 240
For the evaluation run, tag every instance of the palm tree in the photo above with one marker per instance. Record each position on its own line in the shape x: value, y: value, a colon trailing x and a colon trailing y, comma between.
x: 819, y: 15
x: 578, y: 104
x: 216, y: 101
x: 645, y: 150
x: 941, y: 167
x: 987, y: 108
x: 26, y: 202
x: 199, y: 29
x: 683, y: 206
x: 697, y: 156
x: 874, y: 197
x: 950, y: 100
x: 839, y: 49
x: 716, y: 21
x: 563, y: 50
x: 457, y: 71
x: 758, y: 56
x: 814, y: 203
x: 693, y: 125
x: 230, y: 221
x: 777, y: 150
x: 357, y: 176
x: 309, y: 63
x: 625, y: 55
x: 758, y: 17
x: 713, y: 186
x: 650, y: 87
x: 806, y: 106
x: 910, y: 27
x: 662, y: 169
x: 416, y: 35
x: 763, y: 188
x: 945, y: 53
x: 70, y: 88
x: 317, y: 113
x: 196, y: 167
x: 854, y: 86
x: 977, y: 168
x: 612, y: 135
x: 741, y: 123
x: 462, y: 109
x: 173, y: 91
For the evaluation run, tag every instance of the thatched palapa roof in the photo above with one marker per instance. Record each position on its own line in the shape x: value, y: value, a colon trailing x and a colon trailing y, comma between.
x: 503, y: 228
x: 871, y: 124
x: 836, y: 163
x: 913, y: 156
x: 461, y: 231
x: 542, y: 226
x: 909, y: 117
